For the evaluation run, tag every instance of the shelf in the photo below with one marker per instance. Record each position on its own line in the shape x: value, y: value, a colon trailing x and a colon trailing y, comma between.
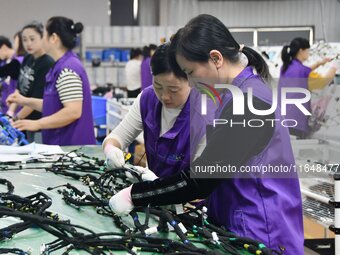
x: 319, y: 212
x: 113, y: 45
x: 107, y: 64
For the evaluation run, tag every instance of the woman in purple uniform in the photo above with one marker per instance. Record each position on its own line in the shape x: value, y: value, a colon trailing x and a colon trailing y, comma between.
x: 295, y: 74
x: 66, y: 105
x: 259, y: 206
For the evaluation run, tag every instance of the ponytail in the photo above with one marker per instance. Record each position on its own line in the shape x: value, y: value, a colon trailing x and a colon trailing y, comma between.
x: 66, y: 29
x: 290, y: 51
x: 205, y: 33
x: 286, y: 57
x: 255, y: 60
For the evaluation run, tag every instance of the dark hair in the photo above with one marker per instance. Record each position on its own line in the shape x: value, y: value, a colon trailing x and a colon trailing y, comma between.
x: 160, y: 62
x: 205, y: 33
x: 135, y: 53
x: 152, y: 46
x: 146, y: 52
x: 290, y: 51
x: 36, y: 26
x: 20, y: 50
x: 66, y: 29
x: 5, y: 41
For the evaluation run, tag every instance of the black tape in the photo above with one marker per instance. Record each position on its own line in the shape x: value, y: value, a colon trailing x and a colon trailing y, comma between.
x: 334, y: 229
x: 334, y: 203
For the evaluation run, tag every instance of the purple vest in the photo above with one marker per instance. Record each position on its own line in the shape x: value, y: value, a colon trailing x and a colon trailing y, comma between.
x: 265, y: 209
x: 146, y: 74
x: 8, y: 88
x: 296, y: 75
x: 171, y: 152
x: 81, y: 131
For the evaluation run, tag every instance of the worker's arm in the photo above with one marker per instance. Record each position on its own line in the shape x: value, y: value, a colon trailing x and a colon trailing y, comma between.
x: 317, y: 81
x: 225, y: 146
x: 68, y: 114
x: 128, y: 129
x: 17, y: 98
x: 24, y: 112
x: 320, y: 63
x: 12, y: 107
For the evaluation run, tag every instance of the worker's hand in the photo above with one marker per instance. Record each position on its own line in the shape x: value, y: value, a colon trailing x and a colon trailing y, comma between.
x: 114, y: 156
x: 324, y: 61
x: 29, y: 125
x: 147, y: 174
x: 336, y: 65
x: 17, y: 98
x: 10, y: 113
x: 121, y: 203
x: 144, y: 172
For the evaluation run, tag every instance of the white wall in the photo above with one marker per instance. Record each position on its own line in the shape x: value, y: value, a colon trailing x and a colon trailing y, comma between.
x: 323, y: 14
x: 14, y: 14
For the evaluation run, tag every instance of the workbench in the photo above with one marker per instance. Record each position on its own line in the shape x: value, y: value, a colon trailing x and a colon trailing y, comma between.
x: 33, y: 179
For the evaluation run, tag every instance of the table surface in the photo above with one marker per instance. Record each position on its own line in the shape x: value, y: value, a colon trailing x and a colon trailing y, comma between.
x: 30, y: 180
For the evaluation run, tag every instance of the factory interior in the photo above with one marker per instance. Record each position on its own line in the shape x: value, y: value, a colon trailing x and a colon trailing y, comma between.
x: 170, y: 127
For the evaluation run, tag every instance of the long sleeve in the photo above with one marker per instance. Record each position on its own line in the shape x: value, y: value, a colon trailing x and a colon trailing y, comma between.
x: 130, y: 127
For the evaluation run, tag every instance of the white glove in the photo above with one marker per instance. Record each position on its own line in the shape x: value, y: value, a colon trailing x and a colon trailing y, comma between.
x: 147, y: 174
x: 121, y: 203
x: 114, y: 156
x: 144, y: 172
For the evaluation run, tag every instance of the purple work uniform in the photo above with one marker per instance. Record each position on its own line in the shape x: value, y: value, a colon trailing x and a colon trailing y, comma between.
x: 146, y: 75
x: 296, y: 75
x: 266, y: 209
x: 170, y: 153
x: 8, y: 88
x: 81, y: 131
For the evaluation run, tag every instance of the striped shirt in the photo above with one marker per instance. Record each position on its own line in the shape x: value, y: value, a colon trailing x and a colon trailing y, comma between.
x: 69, y: 86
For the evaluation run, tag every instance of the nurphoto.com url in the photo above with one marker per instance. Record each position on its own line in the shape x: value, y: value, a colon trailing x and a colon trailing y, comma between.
x: 261, y: 170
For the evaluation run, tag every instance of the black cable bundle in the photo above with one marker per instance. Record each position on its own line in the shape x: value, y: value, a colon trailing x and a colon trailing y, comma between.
x: 191, y: 227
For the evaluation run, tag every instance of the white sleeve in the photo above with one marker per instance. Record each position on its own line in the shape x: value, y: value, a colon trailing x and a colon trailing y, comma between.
x: 130, y: 127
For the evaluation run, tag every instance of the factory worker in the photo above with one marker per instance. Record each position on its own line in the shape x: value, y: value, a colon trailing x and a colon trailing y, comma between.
x: 253, y: 205
x: 66, y: 105
x: 32, y: 73
x: 294, y: 74
x: 162, y: 112
x: 146, y: 75
x: 9, y: 71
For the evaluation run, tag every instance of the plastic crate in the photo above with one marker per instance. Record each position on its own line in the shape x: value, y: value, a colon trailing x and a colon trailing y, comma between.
x: 112, y: 120
x: 116, y: 111
x: 98, y: 106
x: 112, y: 105
x: 100, y: 125
x: 89, y: 55
x: 111, y: 55
x: 99, y: 115
x: 125, y: 55
x: 126, y: 101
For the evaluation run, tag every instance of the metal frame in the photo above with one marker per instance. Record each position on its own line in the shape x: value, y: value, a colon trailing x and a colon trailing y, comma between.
x: 255, y: 31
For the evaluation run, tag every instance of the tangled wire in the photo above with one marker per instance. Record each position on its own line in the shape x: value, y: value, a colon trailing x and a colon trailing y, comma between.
x: 192, y: 227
